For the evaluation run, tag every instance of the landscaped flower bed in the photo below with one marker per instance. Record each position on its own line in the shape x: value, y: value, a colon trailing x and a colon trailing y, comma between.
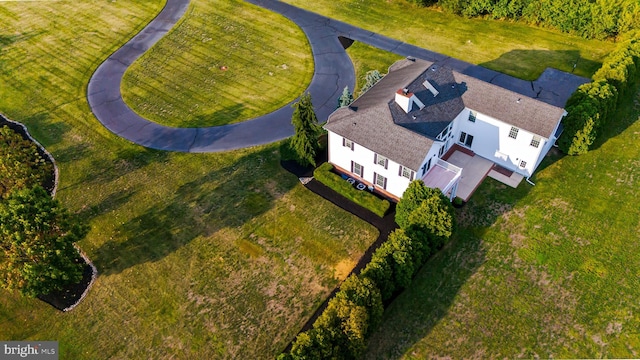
x: 325, y: 175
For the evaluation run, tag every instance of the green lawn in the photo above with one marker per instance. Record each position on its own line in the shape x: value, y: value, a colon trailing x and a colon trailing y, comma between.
x: 549, y: 271
x: 225, y: 62
x: 511, y: 48
x: 366, y: 58
x: 199, y: 255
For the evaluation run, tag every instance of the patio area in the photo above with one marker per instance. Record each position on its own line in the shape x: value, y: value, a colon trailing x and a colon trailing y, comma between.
x: 475, y: 169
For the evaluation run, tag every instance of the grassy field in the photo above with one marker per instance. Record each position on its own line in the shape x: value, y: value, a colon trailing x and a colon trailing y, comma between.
x: 199, y: 255
x: 225, y: 62
x: 511, y: 48
x: 550, y: 271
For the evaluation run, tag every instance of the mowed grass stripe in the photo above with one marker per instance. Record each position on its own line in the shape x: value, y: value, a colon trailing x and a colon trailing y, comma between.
x: 179, y: 82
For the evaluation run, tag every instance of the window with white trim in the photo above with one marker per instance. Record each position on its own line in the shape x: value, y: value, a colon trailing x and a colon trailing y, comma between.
x: 406, y: 172
x: 535, y: 142
x: 381, y: 160
x: 347, y: 143
x: 357, y: 168
x: 513, y: 133
x: 466, y: 139
x: 380, y: 181
x: 523, y: 164
x: 472, y: 116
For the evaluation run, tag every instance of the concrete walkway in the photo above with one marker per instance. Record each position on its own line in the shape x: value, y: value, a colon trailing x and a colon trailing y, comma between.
x: 333, y: 71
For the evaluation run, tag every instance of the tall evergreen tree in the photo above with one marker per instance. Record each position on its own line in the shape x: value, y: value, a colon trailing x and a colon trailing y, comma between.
x: 305, y: 140
x: 37, y: 255
x: 346, y: 98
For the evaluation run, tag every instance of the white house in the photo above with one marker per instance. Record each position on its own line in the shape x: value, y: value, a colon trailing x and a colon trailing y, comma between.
x: 400, y: 128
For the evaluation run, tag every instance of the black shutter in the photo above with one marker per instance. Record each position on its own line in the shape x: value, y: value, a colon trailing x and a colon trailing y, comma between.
x: 352, y: 167
x: 344, y: 142
x: 386, y: 163
x: 400, y: 171
x: 375, y: 158
x: 375, y: 179
x: 384, y: 186
x: 412, y: 175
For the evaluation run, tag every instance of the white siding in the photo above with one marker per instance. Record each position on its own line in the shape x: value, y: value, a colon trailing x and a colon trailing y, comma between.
x: 491, y: 140
x: 342, y: 156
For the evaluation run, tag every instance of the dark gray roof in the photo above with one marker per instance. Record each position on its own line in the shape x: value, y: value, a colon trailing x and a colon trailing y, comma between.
x: 368, y: 120
x: 438, y: 111
x: 372, y: 120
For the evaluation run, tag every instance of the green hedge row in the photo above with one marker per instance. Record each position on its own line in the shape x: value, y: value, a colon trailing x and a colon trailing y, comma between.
x: 600, y: 19
x: 594, y: 104
x: 343, y: 328
x: 325, y: 175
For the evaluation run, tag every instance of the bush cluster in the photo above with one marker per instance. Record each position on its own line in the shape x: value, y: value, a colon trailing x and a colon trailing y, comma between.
x: 594, y: 104
x: 425, y: 218
x: 21, y: 166
x: 598, y: 19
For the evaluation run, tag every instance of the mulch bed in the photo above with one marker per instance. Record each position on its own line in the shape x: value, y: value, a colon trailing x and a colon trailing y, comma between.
x: 67, y: 298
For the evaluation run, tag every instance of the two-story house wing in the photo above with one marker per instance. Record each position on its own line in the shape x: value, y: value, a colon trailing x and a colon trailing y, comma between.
x: 400, y: 128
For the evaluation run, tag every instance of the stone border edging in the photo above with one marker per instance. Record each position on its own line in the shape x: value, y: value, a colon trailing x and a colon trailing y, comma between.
x: 56, y: 175
x: 56, y: 171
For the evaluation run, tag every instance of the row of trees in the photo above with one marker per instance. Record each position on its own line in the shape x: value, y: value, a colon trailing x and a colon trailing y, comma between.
x: 37, y: 255
x: 426, y: 222
x: 598, y: 19
x: 594, y: 104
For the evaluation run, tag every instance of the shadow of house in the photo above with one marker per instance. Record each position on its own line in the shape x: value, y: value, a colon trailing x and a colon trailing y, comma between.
x: 516, y: 62
x: 223, y: 198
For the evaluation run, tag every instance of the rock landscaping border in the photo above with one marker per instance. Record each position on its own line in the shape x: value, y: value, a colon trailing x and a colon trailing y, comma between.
x: 68, y: 298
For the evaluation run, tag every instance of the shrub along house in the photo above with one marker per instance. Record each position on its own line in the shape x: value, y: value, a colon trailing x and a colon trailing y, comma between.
x: 399, y: 129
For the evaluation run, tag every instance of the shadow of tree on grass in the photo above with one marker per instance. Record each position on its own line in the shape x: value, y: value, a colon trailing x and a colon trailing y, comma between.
x: 226, y: 197
x: 433, y: 292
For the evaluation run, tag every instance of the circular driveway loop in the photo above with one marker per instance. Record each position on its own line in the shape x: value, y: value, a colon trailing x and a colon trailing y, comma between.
x: 333, y: 71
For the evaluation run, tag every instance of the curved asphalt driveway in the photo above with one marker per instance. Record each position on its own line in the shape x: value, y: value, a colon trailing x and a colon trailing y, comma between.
x: 333, y: 71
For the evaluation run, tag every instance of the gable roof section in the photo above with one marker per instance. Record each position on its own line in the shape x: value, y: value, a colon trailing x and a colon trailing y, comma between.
x: 521, y: 111
x: 369, y: 123
x: 378, y: 123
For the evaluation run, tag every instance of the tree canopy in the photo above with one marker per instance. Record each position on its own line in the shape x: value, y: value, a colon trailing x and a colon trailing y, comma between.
x: 305, y: 140
x: 36, y: 241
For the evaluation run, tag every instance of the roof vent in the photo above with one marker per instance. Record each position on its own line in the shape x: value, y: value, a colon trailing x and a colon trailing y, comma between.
x: 518, y: 101
x: 430, y: 87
